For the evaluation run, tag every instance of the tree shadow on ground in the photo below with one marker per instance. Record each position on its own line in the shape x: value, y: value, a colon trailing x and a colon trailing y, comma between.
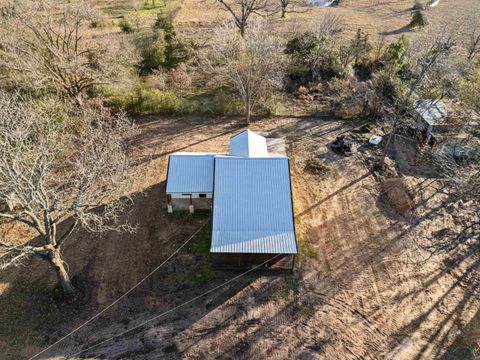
x: 442, y: 332
x: 402, y: 30
x: 463, y: 347
x: 164, y: 139
x: 103, y: 267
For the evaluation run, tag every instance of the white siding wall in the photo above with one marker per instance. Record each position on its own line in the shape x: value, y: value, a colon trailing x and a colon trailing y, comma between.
x: 187, y: 196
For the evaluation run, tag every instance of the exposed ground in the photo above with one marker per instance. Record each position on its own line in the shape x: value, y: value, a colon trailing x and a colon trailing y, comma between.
x: 359, y: 290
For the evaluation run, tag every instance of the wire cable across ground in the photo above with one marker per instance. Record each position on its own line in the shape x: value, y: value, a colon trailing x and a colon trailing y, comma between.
x: 121, y: 296
x: 174, y: 308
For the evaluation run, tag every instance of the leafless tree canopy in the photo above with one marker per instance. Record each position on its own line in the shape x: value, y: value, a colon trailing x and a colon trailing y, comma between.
x: 49, y: 48
x: 429, y: 58
x: 473, y: 44
x: 252, y: 65
x: 289, y: 6
x: 241, y: 10
x: 326, y: 25
x: 50, y: 172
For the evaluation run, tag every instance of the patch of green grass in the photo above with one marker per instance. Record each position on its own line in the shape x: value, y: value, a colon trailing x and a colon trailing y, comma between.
x: 464, y: 349
x: 306, y: 251
x: 202, y: 241
x: 197, y: 276
x: 126, y: 8
x: 215, y: 102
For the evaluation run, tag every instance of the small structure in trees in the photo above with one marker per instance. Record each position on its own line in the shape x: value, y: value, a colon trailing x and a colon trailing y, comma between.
x: 250, y: 193
x: 444, y: 119
x: 430, y: 115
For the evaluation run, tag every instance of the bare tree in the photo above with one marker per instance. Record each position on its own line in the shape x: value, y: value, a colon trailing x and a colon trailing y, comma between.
x: 51, y: 174
x: 459, y: 168
x: 241, y: 10
x: 473, y: 44
x: 253, y: 65
x: 49, y: 48
x: 288, y: 6
x: 424, y: 57
x: 326, y: 24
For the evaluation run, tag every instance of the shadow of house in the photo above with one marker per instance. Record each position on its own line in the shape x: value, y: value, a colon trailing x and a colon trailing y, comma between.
x: 103, y: 267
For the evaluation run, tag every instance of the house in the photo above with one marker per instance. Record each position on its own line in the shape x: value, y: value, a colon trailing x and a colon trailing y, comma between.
x: 249, y: 192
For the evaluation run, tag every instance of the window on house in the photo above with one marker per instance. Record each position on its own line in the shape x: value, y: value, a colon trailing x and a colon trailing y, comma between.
x: 202, y: 195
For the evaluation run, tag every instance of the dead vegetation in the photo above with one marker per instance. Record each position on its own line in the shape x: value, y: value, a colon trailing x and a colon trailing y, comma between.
x: 365, y: 271
x: 388, y: 235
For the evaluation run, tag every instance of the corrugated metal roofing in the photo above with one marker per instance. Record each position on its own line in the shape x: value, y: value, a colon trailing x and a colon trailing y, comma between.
x: 432, y: 111
x: 190, y: 173
x: 248, y: 144
x: 252, y: 209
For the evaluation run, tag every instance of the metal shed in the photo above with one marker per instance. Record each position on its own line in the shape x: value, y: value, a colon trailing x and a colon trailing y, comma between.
x: 430, y: 113
x: 253, y: 213
x: 252, y: 222
x: 190, y: 181
x: 248, y: 144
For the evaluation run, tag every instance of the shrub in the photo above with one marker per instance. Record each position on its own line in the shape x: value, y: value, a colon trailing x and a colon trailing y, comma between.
x: 396, y: 54
x: 225, y: 103
x: 97, y: 24
x: 161, y: 48
x: 418, y: 5
x: 125, y: 26
x: 389, y: 86
x: 152, y: 51
x: 360, y: 47
x: 312, y: 58
x: 140, y: 99
x: 178, y: 78
x: 470, y: 90
x: 157, y: 101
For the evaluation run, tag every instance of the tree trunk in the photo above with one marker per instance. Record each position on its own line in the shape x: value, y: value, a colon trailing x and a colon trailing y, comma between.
x: 249, y: 111
x: 62, y: 273
x: 242, y: 29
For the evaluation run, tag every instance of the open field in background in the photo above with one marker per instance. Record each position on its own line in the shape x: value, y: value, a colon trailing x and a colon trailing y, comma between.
x: 376, y: 17
x: 360, y: 289
x: 196, y: 17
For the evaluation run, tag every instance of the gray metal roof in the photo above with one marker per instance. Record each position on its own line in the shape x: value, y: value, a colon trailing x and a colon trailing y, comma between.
x: 432, y: 111
x: 248, y: 144
x: 190, y: 173
x: 252, y: 209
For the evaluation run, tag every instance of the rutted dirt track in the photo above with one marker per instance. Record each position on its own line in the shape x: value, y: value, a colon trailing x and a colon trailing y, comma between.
x: 359, y: 293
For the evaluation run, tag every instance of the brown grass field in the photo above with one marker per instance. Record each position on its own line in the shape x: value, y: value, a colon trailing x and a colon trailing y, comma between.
x: 361, y: 288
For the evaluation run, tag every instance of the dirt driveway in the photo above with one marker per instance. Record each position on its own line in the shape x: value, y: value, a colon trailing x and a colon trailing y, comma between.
x: 359, y: 292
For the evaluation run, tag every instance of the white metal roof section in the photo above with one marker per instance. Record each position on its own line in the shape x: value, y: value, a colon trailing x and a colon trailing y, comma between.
x: 432, y: 111
x: 252, y: 209
x: 190, y: 173
x: 248, y: 144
